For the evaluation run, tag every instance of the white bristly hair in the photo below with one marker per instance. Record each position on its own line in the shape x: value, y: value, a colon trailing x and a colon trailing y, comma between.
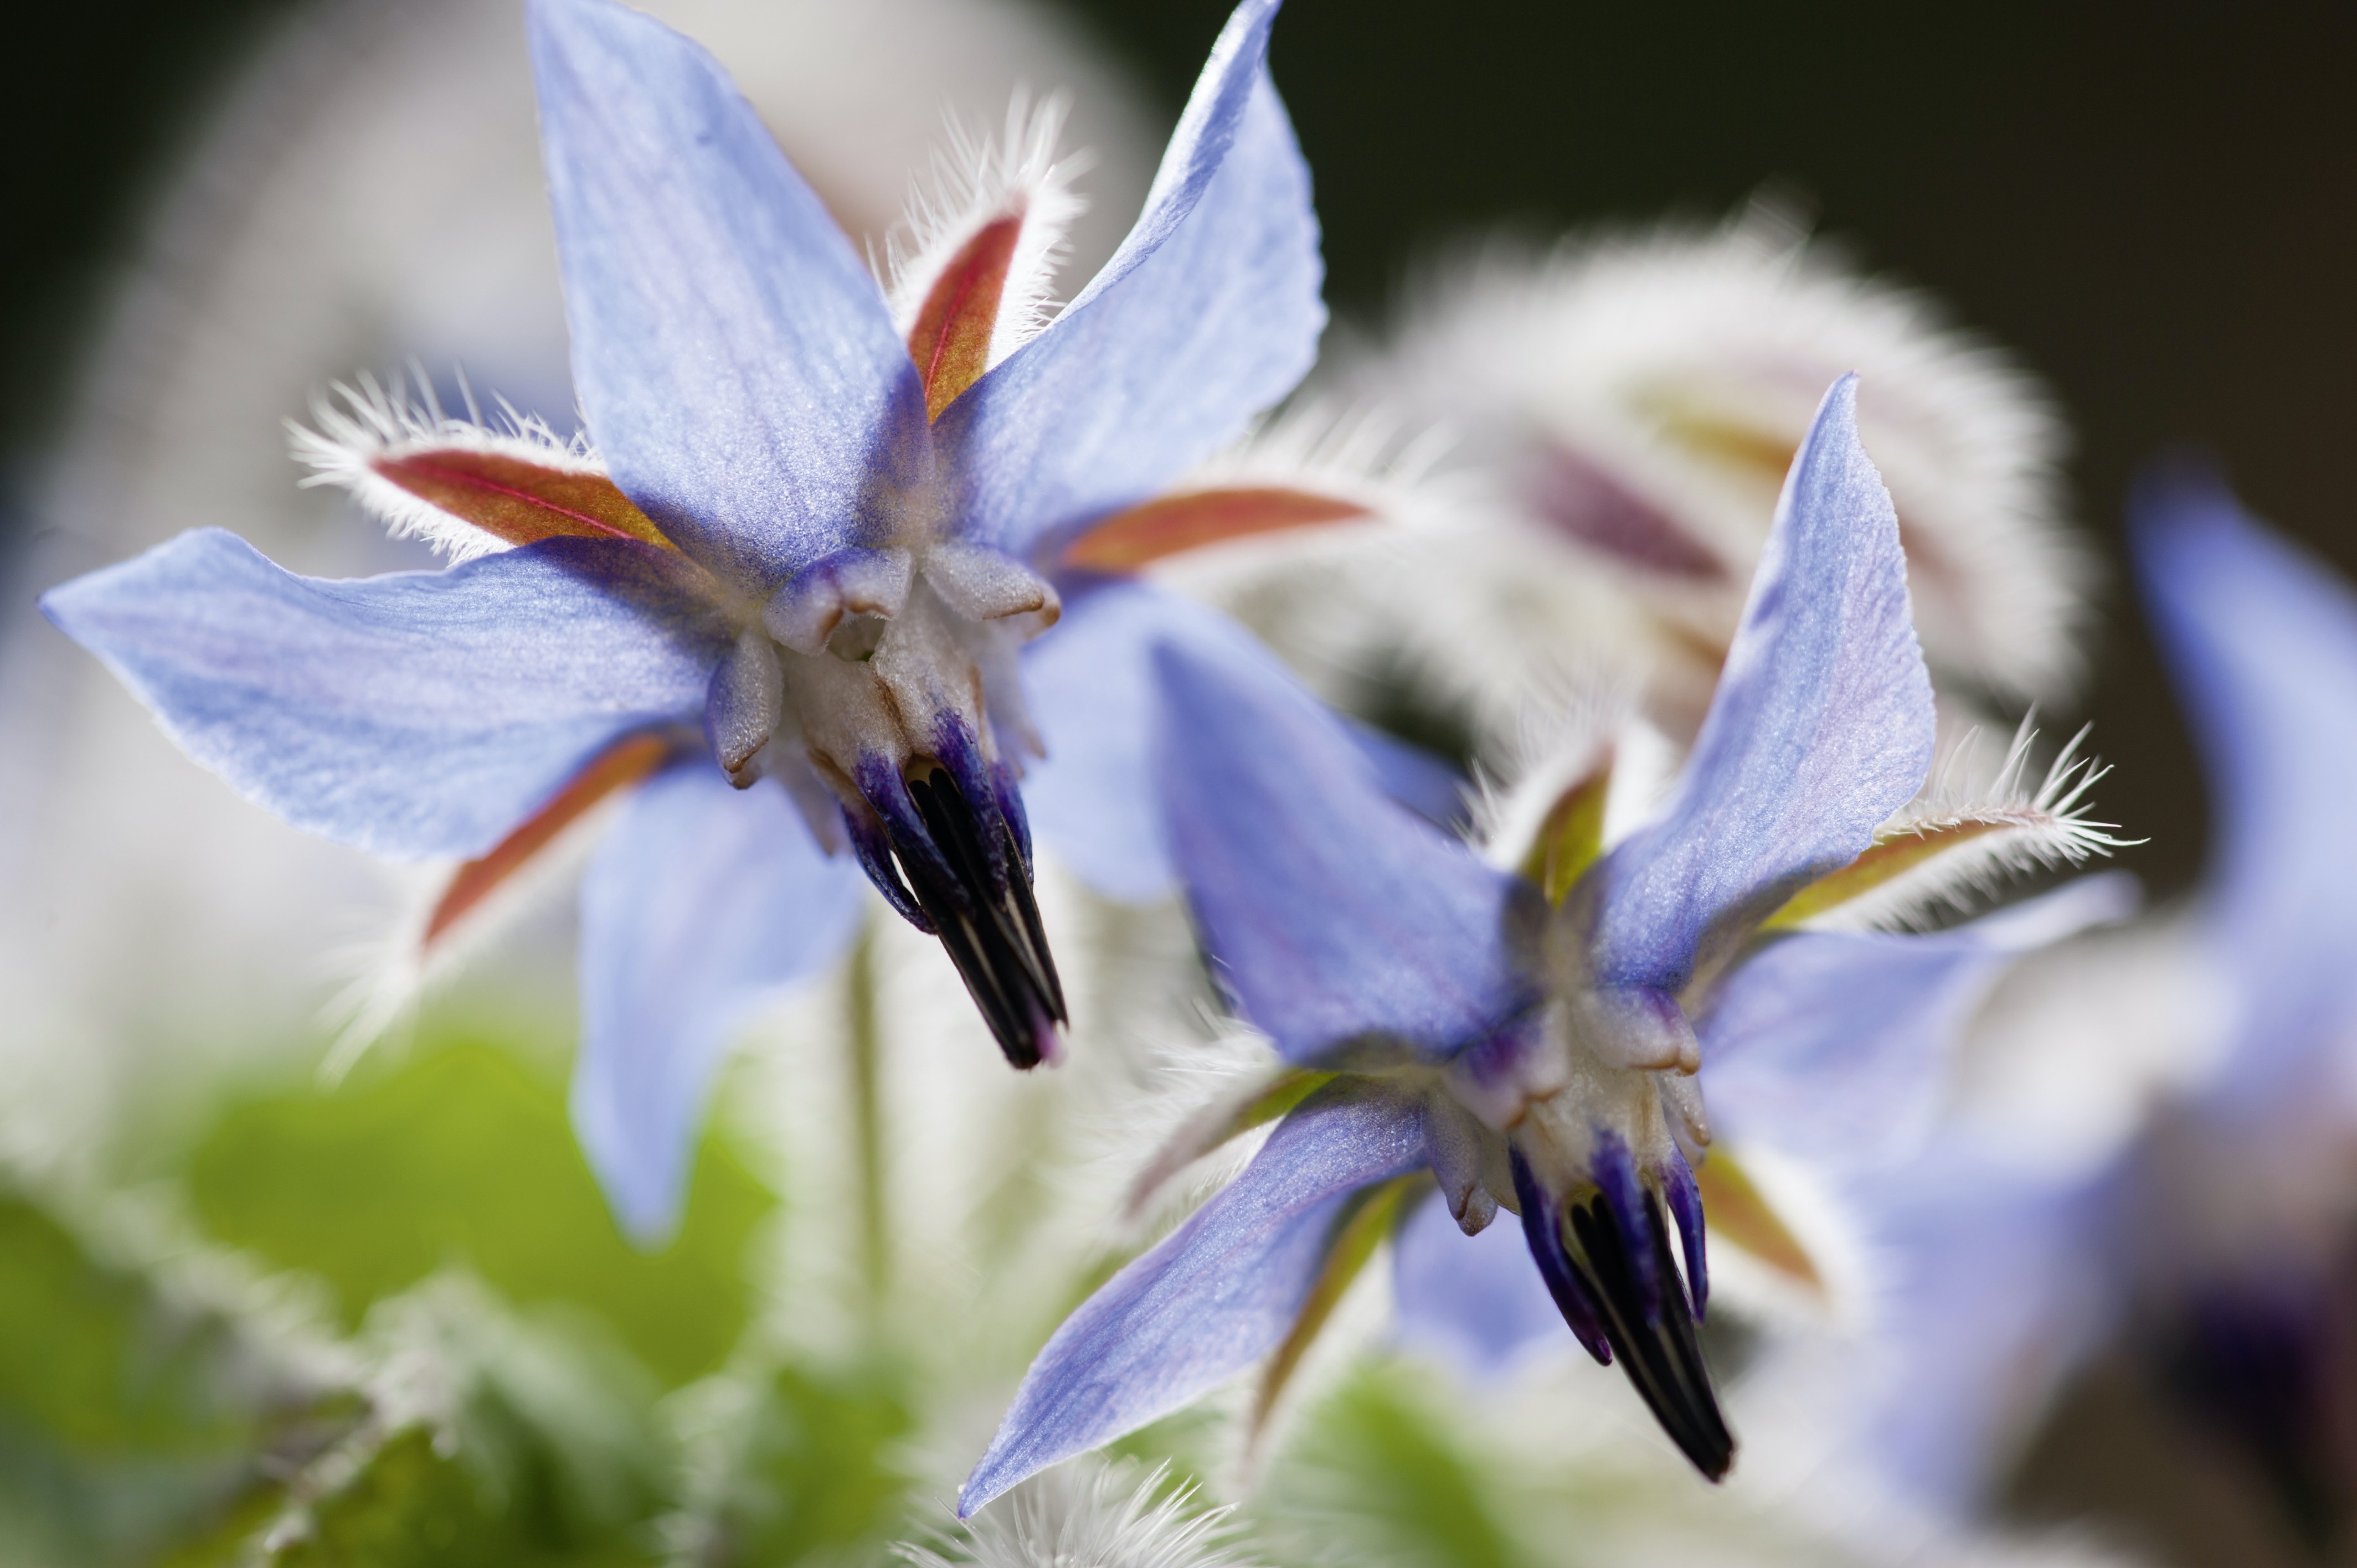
x: 1305, y: 592
x: 1088, y: 1513
x: 386, y: 974
x: 2025, y: 827
x: 976, y: 179
x: 354, y: 427
x: 1680, y: 367
x: 1558, y: 744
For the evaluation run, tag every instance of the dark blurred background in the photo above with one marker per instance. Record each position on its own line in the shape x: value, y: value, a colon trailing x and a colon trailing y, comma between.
x: 2150, y: 203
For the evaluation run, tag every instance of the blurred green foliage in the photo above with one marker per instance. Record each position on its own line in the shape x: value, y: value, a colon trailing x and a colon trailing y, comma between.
x: 462, y: 1156
x: 813, y: 1470
x: 128, y: 1410
x: 1371, y: 1474
x: 502, y: 1383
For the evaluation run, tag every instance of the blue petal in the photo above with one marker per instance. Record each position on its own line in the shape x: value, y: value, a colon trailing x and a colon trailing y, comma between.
x: 1837, y: 1047
x: 1993, y: 1283
x: 1091, y: 690
x: 701, y: 902
x: 1217, y: 1294
x: 1208, y: 314
x: 1090, y: 686
x: 1821, y: 727
x: 1334, y: 913
x: 1477, y: 1302
x: 2263, y: 639
x: 1424, y: 781
x: 421, y: 714
x: 734, y: 357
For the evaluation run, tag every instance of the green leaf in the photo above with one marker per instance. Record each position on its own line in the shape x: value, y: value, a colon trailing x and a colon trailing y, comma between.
x: 463, y: 1154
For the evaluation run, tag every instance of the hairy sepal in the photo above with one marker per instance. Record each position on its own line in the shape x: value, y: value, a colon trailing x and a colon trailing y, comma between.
x: 1741, y: 1215
x: 452, y: 917
x: 1571, y: 835
x: 464, y: 488
x: 1938, y: 857
x: 1357, y: 1233
x: 627, y: 762
x: 1230, y: 1116
x: 972, y: 272
x: 1194, y: 520
x: 1313, y: 468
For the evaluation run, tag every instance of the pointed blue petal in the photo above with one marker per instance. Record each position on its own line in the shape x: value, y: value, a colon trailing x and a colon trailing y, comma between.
x: 1090, y: 684
x: 2263, y: 640
x: 1333, y: 912
x: 1993, y: 1283
x: 734, y: 358
x: 1838, y: 1047
x: 1821, y: 727
x: 1218, y: 1294
x: 1475, y: 1302
x: 1208, y: 314
x: 1092, y: 688
x: 421, y: 714
x: 699, y: 906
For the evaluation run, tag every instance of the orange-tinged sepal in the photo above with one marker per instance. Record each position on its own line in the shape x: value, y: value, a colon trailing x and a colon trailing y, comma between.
x: 514, y: 499
x: 463, y: 488
x: 619, y: 765
x: 1947, y: 854
x: 1130, y: 540
x: 950, y: 339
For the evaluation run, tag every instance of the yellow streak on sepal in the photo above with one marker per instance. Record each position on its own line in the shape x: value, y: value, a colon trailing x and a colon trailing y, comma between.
x: 1887, y: 858
x: 1740, y: 1215
x: 1220, y: 1121
x: 1355, y: 1239
x: 1571, y: 837
x: 1285, y: 1090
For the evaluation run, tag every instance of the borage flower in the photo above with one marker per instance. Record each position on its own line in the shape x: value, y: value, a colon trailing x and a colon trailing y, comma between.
x: 2164, y: 1138
x: 800, y: 561
x: 1525, y: 1037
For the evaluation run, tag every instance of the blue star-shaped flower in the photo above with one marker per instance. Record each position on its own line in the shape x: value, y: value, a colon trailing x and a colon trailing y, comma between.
x: 815, y: 539
x: 1443, y: 1016
x: 2198, y: 1196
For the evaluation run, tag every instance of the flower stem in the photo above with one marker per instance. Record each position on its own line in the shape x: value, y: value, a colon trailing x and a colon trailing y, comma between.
x: 867, y: 1117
